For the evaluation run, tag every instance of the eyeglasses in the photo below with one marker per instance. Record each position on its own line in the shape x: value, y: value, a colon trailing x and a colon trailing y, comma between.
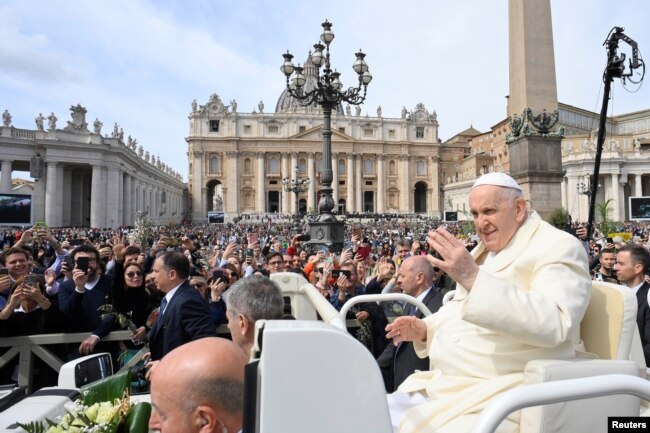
x: 276, y: 263
x: 134, y: 274
x: 233, y: 274
x: 320, y: 270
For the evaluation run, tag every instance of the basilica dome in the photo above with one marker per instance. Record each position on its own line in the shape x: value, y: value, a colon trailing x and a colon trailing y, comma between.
x: 289, y: 104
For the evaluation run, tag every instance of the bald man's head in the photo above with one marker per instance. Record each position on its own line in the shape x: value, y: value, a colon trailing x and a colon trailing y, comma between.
x: 199, y: 384
x: 415, y: 275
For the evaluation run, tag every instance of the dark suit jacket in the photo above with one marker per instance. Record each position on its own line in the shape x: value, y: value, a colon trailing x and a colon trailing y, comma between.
x: 80, y: 309
x: 643, y: 320
x: 398, y: 363
x: 186, y: 318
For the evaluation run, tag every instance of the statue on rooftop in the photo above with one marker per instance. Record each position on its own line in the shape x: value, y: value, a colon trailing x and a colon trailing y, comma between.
x: 51, y: 122
x: 6, y: 118
x: 39, y: 122
x: 97, y: 126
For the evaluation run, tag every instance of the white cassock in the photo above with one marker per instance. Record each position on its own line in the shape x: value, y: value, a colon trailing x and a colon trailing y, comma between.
x: 526, y: 303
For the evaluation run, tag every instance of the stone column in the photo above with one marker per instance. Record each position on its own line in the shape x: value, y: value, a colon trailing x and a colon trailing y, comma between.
x: 76, y: 199
x: 137, y: 203
x: 638, y: 187
x: 616, y: 196
x: 65, y: 175
x: 405, y: 193
x: 261, y: 182
x: 335, y: 182
x: 233, y: 188
x: 349, y: 201
x: 127, y: 194
x: 112, y: 197
x: 380, y: 184
x: 292, y: 175
x: 5, y: 177
x: 311, y: 195
x: 53, y: 205
x: 38, y: 200
x: 199, y: 204
x: 358, y: 176
x: 97, y: 197
x: 565, y: 181
x: 286, y: 196
x: 434, y: 203
x: 204, y: 199
x: 120, y: 198
x: 155, y: 203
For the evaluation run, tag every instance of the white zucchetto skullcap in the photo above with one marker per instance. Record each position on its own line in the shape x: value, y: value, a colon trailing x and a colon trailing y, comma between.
x: 497, y: 179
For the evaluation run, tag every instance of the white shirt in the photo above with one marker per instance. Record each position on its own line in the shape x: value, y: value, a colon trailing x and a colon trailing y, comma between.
x: 422, y: 295
x: 637, y: 287
x: 170, y: 295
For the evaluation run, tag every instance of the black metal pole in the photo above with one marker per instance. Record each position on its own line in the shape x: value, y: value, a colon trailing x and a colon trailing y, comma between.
x: 326, y: 203
x: 599, y: 151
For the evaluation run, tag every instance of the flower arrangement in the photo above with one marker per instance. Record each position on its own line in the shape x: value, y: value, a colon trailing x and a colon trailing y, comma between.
x: 97, y: 410
x: 104, y: 417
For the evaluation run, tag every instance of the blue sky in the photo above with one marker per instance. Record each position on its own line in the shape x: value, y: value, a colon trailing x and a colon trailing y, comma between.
x: 141, y: 63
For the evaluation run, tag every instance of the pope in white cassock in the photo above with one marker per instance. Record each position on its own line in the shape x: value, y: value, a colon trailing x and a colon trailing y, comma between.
x: 521, y: 295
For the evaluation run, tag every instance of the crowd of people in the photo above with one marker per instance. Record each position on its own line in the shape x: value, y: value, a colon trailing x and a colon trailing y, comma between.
x: 177, y: 284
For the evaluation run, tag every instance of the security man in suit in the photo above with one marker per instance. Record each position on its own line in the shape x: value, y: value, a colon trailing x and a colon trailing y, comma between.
x: 632, y: 263
x: 184, y: 315
x: 417, y: 278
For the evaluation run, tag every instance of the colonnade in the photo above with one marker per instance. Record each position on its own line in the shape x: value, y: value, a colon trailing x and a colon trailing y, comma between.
x: 97, y: 196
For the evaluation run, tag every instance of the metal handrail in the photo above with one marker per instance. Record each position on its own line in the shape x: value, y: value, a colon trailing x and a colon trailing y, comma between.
x: 384, y: 297
x: 26, y: 346
x: 323, y: 307
x: 557, y: 392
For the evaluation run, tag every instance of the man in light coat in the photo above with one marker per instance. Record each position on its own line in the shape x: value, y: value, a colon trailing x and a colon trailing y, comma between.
x: 521, y: 295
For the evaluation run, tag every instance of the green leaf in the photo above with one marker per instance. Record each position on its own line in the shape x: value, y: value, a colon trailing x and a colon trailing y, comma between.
x: 106, y: 389
x: 32, y: 427
x: 138, y: 419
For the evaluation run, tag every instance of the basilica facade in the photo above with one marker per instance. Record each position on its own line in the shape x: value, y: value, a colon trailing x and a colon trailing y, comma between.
x: 237, y: 161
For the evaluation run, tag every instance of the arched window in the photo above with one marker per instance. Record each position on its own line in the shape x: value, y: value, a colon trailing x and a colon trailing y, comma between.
x: 247, y: 166
x: 391, y: 168
x: 420, y: 168
x: 302, y: 166
x: 341, y: 166
x: 214, y: 165
x: 367, y: 166
x: 274, y: 165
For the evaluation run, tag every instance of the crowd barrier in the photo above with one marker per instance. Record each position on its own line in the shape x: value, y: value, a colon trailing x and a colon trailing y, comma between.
x: 26, y: 347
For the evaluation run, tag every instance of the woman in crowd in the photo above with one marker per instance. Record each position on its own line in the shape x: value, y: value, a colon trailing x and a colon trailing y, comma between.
x: 130, y: 300
x: 218, y: 283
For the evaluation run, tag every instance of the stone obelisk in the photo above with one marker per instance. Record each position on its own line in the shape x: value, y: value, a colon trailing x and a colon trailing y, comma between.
x: 534, y: 141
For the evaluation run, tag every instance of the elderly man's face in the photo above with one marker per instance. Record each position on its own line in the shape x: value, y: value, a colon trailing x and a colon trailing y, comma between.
x: 496, y: 220
x: 168, y: 414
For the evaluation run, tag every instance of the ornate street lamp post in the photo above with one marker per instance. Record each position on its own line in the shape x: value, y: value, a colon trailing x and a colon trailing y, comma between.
x: 328, y: 92
x: 296, y: 185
